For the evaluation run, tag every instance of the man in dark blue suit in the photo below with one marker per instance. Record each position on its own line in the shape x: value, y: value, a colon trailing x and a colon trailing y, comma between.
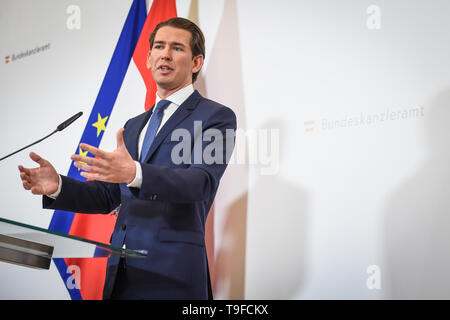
x: 163, y: 176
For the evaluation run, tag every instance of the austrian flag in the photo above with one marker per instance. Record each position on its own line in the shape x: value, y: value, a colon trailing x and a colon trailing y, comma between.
x: 132, y: 43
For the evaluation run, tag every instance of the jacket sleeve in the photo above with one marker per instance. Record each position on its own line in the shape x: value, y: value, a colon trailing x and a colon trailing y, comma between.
x: 200, y: 180
x: 85, y: 197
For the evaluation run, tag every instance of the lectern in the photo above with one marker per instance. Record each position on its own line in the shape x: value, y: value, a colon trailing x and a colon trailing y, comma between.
x: 34, y: 247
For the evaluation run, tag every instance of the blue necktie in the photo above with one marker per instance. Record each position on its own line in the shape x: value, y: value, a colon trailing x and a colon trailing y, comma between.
x: 152, y: 129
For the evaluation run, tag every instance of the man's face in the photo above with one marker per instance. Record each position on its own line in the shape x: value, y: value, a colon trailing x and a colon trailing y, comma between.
x: 170, y: 59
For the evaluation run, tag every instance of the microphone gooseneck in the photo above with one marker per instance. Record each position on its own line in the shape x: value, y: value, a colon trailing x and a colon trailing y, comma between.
x: 61, y: 127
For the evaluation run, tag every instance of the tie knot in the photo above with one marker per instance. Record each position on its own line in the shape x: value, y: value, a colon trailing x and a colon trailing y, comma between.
x: 162, y: 104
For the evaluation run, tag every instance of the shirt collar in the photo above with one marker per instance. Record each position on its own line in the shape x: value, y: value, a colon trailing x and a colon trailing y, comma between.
x: 178, y: 97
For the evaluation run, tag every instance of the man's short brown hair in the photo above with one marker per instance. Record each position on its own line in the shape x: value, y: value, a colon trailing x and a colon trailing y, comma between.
x: 197, y: 37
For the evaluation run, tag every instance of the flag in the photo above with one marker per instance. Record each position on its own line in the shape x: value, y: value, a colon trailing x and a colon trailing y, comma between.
x: 133, y: 41
x: 161, y: 10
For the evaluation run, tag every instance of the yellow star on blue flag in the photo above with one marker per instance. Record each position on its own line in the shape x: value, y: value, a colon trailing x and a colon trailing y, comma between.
x: 100, y: 124
x: 82, y: 153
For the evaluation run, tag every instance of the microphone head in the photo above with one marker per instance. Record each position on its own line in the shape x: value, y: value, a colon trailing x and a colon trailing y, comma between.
x: 69, y: 121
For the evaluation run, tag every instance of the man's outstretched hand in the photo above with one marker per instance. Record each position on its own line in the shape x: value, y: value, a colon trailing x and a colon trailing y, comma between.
x: 114, y: 167
x: 41, y: 180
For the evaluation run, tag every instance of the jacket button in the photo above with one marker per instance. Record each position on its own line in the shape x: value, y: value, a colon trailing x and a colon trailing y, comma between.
x: 124, y: 226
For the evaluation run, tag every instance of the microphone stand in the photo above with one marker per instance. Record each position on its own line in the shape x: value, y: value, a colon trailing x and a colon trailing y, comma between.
x: 61, y: 127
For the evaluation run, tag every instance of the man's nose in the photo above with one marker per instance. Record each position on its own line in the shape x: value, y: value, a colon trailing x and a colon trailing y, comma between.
x: 166, y: 54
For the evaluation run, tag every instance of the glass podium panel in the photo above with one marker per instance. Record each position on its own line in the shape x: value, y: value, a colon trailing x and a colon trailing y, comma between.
x: 35, y: 247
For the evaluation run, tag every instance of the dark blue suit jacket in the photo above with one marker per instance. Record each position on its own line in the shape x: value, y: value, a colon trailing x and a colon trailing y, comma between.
x: 167, y: 215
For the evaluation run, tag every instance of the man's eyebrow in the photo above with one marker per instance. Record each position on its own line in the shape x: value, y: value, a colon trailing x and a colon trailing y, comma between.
x: 172, y: 43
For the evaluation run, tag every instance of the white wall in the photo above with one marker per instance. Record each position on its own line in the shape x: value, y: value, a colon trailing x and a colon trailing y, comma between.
x: 344, y: 198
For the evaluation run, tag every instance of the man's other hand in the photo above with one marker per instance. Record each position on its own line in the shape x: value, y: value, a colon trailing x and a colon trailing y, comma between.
x: 41, y: 180
x: 114, y: 167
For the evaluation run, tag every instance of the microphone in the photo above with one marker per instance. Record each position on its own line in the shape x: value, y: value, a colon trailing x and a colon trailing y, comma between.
x: 61, y: 127
x: 68, y: 122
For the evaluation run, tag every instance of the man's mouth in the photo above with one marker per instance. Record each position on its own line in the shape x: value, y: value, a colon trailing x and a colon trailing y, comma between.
x: 165, y: 69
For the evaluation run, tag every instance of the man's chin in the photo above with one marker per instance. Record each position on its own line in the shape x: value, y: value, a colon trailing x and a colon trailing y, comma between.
x: 164, y: 83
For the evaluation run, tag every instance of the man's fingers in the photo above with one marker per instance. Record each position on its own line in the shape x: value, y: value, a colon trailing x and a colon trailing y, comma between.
x: 82, y: 166
x: 36, y: 190
x: 95, y: 151
x: 120, y: 141
x: 88, y: 160
x: 24, y: 176
x: 26, y: 185
x: 88, y: 168
x: 36, y: 158
x: 92, y: 176
x: 99, y: 163
x: 24, y: 170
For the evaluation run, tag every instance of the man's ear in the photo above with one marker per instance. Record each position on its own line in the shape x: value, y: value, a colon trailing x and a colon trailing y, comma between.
x: 149, y: 65
x: 198, y: 63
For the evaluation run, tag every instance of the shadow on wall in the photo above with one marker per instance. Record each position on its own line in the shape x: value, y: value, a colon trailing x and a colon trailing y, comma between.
x: 222, y: 82
x: 417, y: 224
x: 261, y: 258
x: 277, y: 233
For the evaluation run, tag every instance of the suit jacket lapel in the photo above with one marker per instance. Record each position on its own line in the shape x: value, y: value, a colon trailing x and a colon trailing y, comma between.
x: 184, y: 110
x: 132, y: 132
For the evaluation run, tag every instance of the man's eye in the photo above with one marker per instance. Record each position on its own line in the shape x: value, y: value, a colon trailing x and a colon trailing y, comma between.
x: 178, y: 49
x: 157, y: 46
